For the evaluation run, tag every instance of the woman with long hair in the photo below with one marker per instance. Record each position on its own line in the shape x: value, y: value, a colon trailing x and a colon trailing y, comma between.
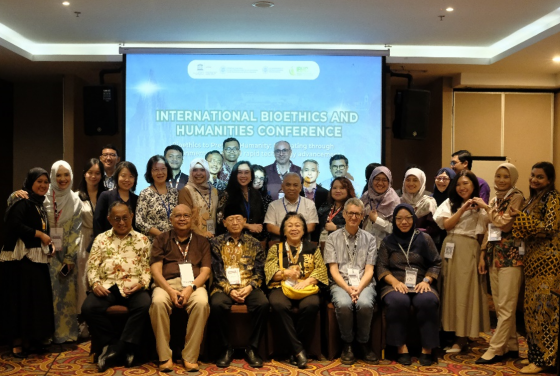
x: 330, y: 213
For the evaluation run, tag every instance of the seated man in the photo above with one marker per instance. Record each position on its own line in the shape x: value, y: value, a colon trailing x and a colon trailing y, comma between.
x: 180, y: 264
x: 118, y: 272
x: 238, y: 266
x: 350, y: 253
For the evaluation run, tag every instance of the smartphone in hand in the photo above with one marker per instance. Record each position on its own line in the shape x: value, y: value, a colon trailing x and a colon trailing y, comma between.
x: 65, y: 270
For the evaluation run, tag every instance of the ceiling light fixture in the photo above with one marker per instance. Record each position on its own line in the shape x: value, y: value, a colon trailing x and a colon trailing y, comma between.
x: 556, y: 59
x: 263, y: 4
x: 65, y: 3
x: 449, y: 9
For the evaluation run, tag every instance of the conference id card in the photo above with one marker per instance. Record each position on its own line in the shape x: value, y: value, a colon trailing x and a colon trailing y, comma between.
x: 210, y: 226
x: 57, y: 236
x: 324, y: 235
x: 449, y: 249
x: 280, y: 195
x: 354, y: 277
x: 233, y: 276
x: 522, y: 249
x: 187, y: 275
x: 494, y: 233
x: 410, y: 277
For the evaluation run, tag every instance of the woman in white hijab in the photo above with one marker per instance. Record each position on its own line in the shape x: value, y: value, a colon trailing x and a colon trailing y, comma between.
x: 64, y: 209
x: 201, y: 197
x: 413, y: 188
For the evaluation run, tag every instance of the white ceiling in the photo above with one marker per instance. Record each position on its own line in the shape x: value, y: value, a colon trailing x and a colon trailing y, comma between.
x: 478, y: 32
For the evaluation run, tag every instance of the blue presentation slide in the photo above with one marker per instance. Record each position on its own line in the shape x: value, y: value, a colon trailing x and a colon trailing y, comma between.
x: 322, y: 105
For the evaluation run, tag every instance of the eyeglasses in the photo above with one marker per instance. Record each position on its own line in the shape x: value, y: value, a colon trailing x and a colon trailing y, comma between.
x: 453, y: 163
x: 403, y: 219
x: 156, y: 170
x: 181, y: 216
x: 354, y: 214
x: 381, y: 180
x: 107, y: 155
x: 442, y: 178
x: 231, y: 150
x: 121, y: 219
x: 282, y: 151
x: 259, y: 179
x: 232, y: 219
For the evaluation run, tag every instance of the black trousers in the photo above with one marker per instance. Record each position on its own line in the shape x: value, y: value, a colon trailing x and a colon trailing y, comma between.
x: 94, y: 311
x: 307, y: 314
x: 220, y: 307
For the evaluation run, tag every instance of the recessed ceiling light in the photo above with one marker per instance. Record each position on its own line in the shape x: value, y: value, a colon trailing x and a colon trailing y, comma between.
x: 449, y: 9
x: 556, y: 59
x: 263, y: 4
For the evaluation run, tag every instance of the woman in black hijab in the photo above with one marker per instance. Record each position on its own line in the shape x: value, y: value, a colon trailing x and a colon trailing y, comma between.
x: 27, y: 318
x: 408, y: 263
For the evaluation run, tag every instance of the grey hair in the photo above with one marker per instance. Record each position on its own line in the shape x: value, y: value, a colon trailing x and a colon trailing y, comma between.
x: 354, y: 201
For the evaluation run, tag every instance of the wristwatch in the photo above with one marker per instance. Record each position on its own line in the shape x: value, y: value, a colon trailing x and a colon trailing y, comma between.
x: 427, y: 280
x: 193, y: 286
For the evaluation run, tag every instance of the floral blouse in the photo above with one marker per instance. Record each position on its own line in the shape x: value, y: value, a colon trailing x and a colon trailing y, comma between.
x: 124, y: 262
x: 153, y: 210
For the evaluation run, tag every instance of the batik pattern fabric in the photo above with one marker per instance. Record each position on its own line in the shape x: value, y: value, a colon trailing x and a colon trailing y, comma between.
x: 539, y: 229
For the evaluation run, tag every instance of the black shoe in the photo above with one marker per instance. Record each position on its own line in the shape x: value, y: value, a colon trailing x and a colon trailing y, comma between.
x: 225, y: 360
x: 512, y: 355
x: 301, y: 360
x: 252, y: 358
x: 292, y: 360
x: 495, y: 359
x: 22, y: 354
x: 107, y: 359
x: 426, y: 360
x: 404, y: 359
x: 368, y: 355
x: 347, y: 357
x: 129, y: 359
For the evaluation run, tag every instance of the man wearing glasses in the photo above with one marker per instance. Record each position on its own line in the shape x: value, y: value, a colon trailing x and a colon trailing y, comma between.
x: 281, y: 166
x: 462, y: 160
x: 231, y: 153
x: 338, y: 165
x: 109, y: 157
x: 350, y: 253
x: 118, y: 272
x: 180, y: 262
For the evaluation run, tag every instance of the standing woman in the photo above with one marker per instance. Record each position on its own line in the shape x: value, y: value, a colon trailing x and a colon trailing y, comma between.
x: 156, y: 202
x: 505, y: 264
x: 379, y: 202
x: 64, y: 210
x: 260, y: 183
x: 126, y: 177
x: 330, y: 213
x: 464, y: 301
x: 27, y: 316
x: 441, y: 193
x: 240, y: 192
x: 538, y: 225
x: 89, y: 191
x: 425, y: 207
x: 201, y: 197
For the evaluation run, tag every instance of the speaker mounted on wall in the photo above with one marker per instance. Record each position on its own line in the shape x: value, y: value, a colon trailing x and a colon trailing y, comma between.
x: 412, y: 110
x: 100, y: 110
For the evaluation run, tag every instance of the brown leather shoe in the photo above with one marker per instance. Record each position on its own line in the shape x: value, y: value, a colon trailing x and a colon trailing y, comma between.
x: 166, y: 366
x: 190, y: 367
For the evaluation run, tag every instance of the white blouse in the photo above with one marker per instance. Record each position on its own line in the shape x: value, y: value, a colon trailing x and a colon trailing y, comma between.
x: 471, y: 223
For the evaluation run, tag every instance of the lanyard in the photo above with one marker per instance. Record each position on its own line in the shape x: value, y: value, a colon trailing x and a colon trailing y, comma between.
x: 286, y: 209
x: 57, y: 213
x: 43, y: 217
x: 166, y: 206
x: 186, y: 249
x: 247, y: 206
x: 332, y: 215
x: 291, y: 258
x: 351, y: 256
x: 176, y: 180
x: 408, y: 250
x: 209, y: 202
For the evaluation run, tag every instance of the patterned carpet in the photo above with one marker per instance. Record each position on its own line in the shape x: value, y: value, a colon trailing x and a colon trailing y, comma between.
x: 71, y: 360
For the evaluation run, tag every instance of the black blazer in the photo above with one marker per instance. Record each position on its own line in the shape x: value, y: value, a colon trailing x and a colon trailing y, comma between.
x: 321, y: 196
x: 100, y: 222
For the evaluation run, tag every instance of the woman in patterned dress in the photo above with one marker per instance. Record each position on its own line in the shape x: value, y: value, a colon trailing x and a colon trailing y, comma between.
x: 538, y: 225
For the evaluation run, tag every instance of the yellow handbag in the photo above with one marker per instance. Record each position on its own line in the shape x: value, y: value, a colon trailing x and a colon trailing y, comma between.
x: 288, y: 290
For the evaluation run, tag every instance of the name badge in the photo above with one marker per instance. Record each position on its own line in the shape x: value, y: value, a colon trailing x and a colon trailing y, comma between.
x: 57, y: 236
x: 233, y: 276
x: 354, y: 277
x: 521, y: 249
x: 280, y: 195
x: 324, y: 235
x: 449, y: 248
x: 410, y: 278
x: 187, y: 275
x: 494, y: 233
x: 210, y: 226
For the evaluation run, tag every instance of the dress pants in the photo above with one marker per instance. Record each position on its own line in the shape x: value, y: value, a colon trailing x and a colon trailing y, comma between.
x: 307, y: 314
x: 94, y: 311
x: 198, y: 310
x: 258, y: 308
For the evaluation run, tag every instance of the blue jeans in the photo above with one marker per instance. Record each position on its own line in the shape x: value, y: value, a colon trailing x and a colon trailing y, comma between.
x: 344, y: 309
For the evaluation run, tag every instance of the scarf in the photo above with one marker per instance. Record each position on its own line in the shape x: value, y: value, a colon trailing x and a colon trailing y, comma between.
x: 203, y: 188
x: 421, y: 204
x: 67, y: 202
x: 514, y: 175
x: 392, y: 241
x: 36, y: 199
x: 384, y: 202
x: 442, y: 196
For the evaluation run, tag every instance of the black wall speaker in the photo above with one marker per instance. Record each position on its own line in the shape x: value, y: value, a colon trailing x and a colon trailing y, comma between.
x: 412, y: 109
x: 100, y: 110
